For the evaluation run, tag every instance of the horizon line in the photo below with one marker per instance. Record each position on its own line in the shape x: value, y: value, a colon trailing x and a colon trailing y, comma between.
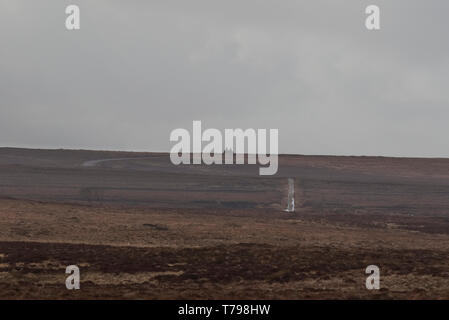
x: 245, y: 154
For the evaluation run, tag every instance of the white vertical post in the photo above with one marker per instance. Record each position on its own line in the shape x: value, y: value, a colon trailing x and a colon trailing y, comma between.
x: 291, y: 196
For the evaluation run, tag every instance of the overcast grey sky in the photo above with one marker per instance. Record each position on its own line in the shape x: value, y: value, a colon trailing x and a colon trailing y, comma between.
x: 139, y: 69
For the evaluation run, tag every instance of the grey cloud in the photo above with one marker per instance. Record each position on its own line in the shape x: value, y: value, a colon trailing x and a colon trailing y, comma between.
x: 138, y: 69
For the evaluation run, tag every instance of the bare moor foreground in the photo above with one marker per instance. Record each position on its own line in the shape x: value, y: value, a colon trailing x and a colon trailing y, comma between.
x: 140, y: 228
